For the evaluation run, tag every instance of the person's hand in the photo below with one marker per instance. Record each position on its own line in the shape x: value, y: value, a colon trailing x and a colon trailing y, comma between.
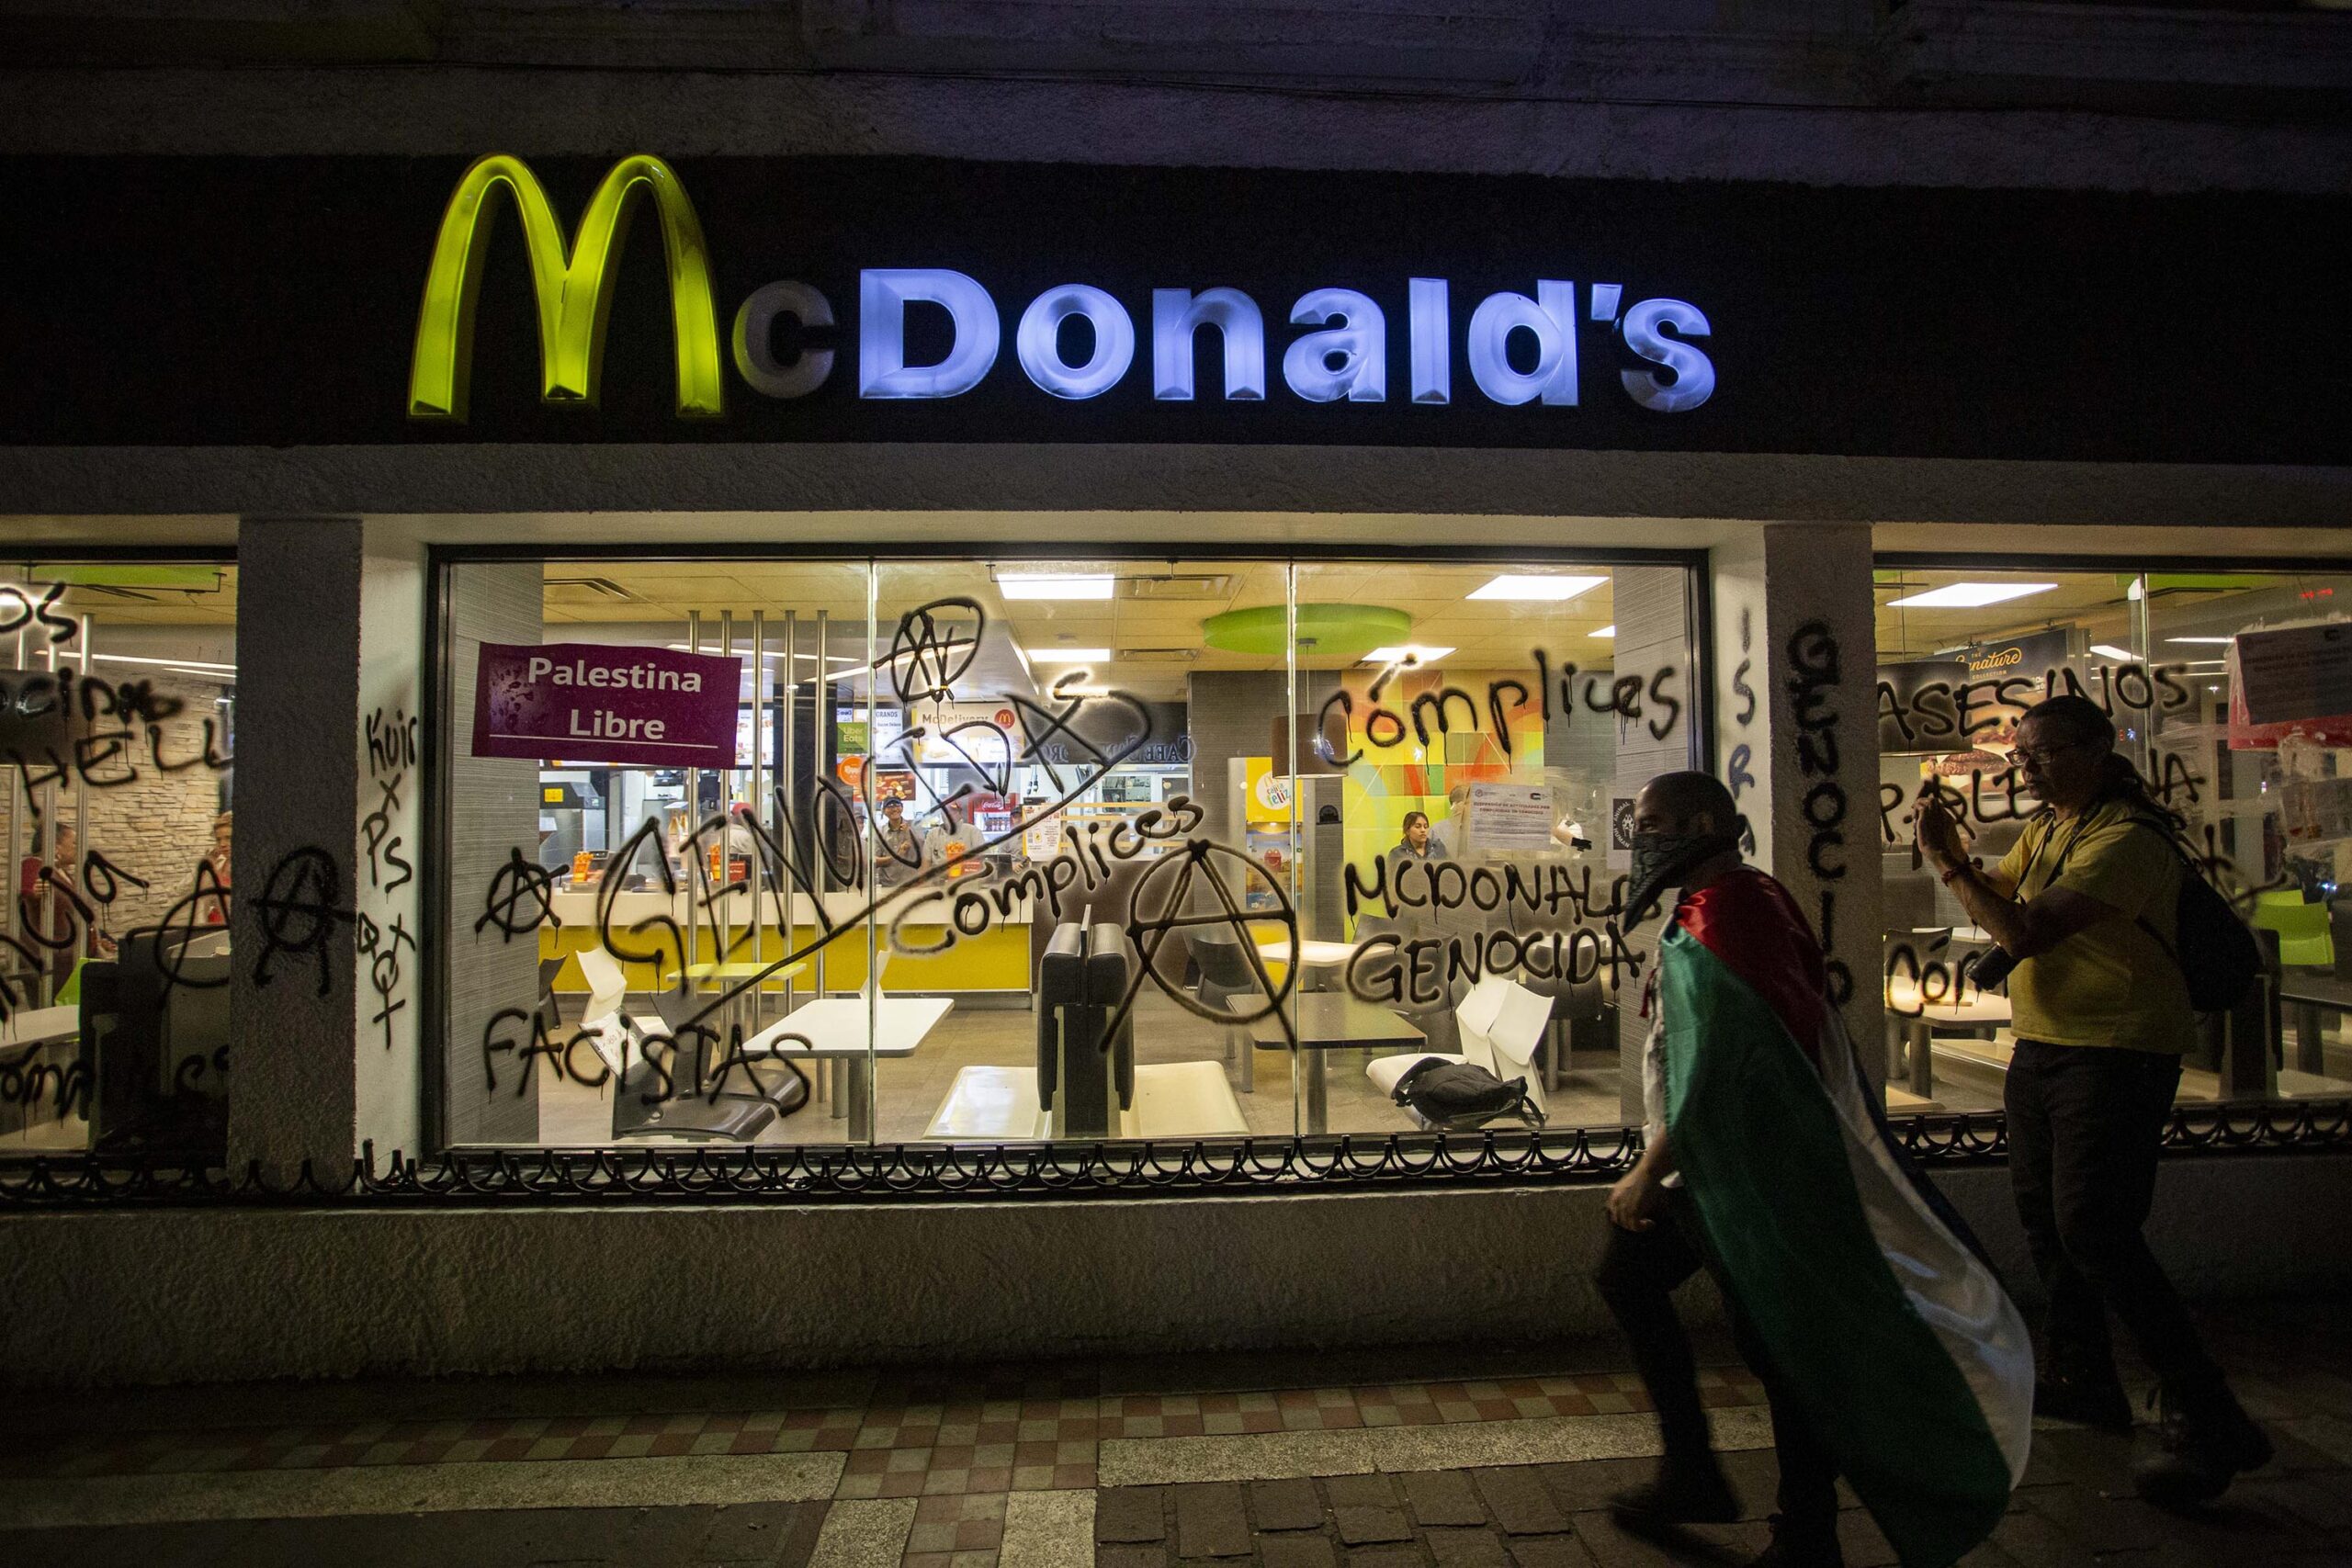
x: 1937, y: 834
x: 1635, y: 1202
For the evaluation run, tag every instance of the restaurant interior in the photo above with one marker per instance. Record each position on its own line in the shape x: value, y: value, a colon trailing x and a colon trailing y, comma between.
x: 1153, y: 870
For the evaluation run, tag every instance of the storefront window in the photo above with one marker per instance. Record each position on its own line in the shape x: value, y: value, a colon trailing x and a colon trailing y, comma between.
x: 1001, y: 850
x: 118, y: 729
x: 2236, y: 731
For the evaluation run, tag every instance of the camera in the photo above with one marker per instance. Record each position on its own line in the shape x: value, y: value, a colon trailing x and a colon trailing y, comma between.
x: 1992, y: 969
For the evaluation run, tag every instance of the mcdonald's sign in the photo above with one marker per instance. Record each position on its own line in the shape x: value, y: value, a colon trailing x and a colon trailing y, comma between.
x: 570, y: 283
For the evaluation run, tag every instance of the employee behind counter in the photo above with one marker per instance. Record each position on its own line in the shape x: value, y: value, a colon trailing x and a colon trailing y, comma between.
x: 1417, y: 844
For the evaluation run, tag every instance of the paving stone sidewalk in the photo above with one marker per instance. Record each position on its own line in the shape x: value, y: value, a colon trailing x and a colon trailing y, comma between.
x: 1271, y: 1461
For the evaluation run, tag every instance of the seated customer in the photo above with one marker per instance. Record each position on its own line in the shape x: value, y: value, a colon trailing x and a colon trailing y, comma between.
x: 1417, y: 842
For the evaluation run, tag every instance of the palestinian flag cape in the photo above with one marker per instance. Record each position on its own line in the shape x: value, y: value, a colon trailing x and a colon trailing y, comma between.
x: 1903, y: 1352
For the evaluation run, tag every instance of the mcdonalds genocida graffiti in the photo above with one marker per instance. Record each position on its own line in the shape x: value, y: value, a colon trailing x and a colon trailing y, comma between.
x: 1538, y: 920
x: 1343, y: 358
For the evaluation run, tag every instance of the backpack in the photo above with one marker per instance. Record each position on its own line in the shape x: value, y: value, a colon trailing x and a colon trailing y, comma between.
x: 1457, y: 1097
x: 2217, y: 953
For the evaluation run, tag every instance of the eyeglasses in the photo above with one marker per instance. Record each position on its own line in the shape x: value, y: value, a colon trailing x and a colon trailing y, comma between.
x: 2042, y: 756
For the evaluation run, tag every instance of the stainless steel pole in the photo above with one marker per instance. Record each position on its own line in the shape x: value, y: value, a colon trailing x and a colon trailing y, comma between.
x: 81, y: 819
x: 757, y: 864
x: 823, y: 724
x: 19, y: 801
x: 724, y: 935
x: 779, y: 808
x: 692, y: 851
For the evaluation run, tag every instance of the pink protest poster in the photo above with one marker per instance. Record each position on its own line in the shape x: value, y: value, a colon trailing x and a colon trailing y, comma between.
x: 584, y: 701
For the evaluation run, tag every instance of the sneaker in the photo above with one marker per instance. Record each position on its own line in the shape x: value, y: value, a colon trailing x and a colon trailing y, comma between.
x: 1814, y: 1547
x: 2204, y: 1441
x: 1689, y: 1495
x: 2087, y: 1397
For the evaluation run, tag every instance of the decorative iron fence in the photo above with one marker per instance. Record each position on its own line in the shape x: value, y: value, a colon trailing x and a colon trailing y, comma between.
x: 894, y: 1172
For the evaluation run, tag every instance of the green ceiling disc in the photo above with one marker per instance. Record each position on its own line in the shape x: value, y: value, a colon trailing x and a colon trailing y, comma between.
x: 1347, y: 630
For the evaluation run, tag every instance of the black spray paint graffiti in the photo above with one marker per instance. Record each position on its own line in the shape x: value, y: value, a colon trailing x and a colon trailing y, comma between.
x: 301, y: 905
x: 392, y: 753
x: 42, y: 709
x: 1814, y: 676
x: 18, y: 610
x: 1933, y: 980
x: 1192, y: 884
x: 933, y: 646
x: 1557, y: 929
x: 1738, y: 776
x: 61, y: 916
x: 1986, y: 799
x: 1429, y: 714
x: 521, y: 899
x: 26, y: 1077
x: 1956, y: 713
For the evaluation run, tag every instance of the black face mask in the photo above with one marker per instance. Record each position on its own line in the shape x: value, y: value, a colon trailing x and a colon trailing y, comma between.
x: 1661, y: 860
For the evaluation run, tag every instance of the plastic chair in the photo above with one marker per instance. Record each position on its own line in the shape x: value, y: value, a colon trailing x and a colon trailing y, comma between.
x: 2303, y: 939
x: 1225, y: 977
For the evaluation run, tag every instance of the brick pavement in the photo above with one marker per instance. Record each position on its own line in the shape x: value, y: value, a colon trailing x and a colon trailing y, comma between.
x: 1254, y: 1463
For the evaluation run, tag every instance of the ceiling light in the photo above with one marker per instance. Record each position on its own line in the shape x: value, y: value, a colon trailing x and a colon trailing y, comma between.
x: 2211, y: 639
x: 2108, y: 651
x: 1524, y: 585
x: 1410, y: 653
x: 169, y: 663
x: 1056, y: 585
x: 1608, y: 630
x: 1969, y: 595
x: 1068, y: 655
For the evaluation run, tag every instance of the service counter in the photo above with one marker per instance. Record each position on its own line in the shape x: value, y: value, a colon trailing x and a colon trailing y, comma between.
x: 943, y: 960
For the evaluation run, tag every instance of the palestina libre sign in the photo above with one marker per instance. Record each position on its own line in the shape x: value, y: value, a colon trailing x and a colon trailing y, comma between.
x: 1520, y: 348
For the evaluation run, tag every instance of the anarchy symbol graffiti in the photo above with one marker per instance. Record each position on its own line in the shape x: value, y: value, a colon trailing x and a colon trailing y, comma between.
x: 1189, y: 889
x: 299, y: 912
x: 520, y: 900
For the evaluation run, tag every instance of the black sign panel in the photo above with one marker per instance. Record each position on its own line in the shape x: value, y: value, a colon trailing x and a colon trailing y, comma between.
x: 213, y: 300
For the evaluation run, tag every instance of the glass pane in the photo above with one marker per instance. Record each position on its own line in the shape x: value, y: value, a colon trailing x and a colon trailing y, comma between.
x: 2250, y: 745
x: 118, y: 729
x: 1467, y: 732
x: 1964, y: 654
x: 654, y: 868
x: 1071, y: 935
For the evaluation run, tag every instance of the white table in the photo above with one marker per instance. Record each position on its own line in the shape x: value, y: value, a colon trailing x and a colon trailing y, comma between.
x: 1972, y: 1008
x: 1311, y: 955
x: 841, y: 1026
x: 36, y: 1031
x: 41, y: 1026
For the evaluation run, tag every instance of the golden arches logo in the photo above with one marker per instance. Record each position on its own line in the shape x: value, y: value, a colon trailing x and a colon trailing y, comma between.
x: 571, y: 286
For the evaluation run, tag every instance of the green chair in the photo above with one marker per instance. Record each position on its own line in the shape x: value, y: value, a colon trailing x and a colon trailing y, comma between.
x: 2303, y: 939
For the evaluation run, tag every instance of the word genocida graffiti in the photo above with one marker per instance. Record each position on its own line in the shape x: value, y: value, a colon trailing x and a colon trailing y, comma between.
x: 1155, y: 874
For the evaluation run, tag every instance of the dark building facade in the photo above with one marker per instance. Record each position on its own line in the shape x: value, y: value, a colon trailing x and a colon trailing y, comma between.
x: 708, y: 654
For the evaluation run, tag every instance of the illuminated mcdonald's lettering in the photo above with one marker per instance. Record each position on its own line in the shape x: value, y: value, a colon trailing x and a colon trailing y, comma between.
x: 571, y: 284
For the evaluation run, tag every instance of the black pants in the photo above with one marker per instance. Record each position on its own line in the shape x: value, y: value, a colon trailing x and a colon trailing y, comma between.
x: 2084, y: 1126
x: 1637, y: 1276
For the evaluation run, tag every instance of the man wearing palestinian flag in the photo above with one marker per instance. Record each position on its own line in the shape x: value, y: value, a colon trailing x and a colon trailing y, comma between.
x: 1888, y: 1350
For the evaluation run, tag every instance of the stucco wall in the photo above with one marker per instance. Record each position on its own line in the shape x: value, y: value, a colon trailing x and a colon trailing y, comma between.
x: 130, y: 1297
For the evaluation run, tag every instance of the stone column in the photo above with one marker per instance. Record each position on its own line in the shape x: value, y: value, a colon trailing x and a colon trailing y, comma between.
x: 294, y: 980
x: 1796, y: 737
x: 325, y: 920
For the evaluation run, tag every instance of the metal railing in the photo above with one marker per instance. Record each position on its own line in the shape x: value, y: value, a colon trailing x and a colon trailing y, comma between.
x: 892, y: 1172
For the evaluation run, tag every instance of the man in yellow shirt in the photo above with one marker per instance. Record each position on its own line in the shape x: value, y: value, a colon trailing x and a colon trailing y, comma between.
x: 2085, y: 902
